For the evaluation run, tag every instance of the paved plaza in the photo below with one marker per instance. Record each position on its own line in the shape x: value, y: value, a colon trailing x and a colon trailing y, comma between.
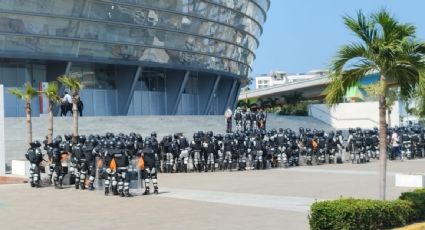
x: 269, y: 199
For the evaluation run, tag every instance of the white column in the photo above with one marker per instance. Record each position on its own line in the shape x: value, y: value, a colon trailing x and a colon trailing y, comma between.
x: 2, y: 143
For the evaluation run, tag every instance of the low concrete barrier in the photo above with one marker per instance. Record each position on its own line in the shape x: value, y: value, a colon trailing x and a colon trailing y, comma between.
x: 21, y: 168
x: 410, y: 180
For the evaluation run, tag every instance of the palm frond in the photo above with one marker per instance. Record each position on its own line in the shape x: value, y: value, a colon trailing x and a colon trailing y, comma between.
x: 392, y: 30
x: 346, y: 54
x: 73, y: 83
x: 30, y: 92
x: 27, y: 94
x: 361, y: 27
x: 52, y: 92
x: 17, y: 92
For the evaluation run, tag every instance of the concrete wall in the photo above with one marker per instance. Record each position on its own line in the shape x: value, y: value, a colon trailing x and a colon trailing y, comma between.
x: 351, y: 115
x: 2, y: 143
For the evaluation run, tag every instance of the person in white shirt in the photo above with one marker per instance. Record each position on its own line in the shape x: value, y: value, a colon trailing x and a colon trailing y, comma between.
x: 228, y: 116
x: 395, y: 144
x: 66, y: 104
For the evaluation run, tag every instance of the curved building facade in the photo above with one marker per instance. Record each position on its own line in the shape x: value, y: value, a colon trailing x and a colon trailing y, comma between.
x: 150, y: 57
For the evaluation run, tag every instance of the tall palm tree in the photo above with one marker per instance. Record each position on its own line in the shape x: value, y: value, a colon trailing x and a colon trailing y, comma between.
x: 74, y: 84
x: 26, y: 95
x: 52, y: 93
x: 385, y: 46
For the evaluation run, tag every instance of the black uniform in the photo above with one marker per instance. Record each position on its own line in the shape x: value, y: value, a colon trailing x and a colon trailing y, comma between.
x: 59, y: 169
x: 122, y: 162
x: 149, y: 172
x: 80, y: 165
x: 35, y: 157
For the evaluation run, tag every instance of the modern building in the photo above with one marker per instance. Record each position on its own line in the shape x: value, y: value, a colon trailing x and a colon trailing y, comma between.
x: 150, y: 57
x: 280, y: 78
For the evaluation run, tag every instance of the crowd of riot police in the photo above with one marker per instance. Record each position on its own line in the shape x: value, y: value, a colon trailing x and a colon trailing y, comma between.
x: 109, y: 156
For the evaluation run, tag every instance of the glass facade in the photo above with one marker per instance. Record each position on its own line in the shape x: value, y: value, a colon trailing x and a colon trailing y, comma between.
x: 218, y: 35
x: 104, y: 42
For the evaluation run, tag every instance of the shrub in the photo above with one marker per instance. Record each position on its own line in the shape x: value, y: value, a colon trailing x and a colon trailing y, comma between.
x: 359, y: 214
x: 299, y: 109
x: 417, y: 197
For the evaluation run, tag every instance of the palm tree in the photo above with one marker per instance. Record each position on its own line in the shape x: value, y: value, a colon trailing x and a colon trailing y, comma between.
x: 74, y: 84
x: 51, y: 93
x: 388, y: 47
x: 26, y: 95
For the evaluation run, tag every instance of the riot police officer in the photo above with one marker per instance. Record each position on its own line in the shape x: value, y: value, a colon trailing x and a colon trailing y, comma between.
x: 79, y: 161
x: 90, y: 157
x: 149, y: 170
x: 59, y: 170
x: 196, y: 147
x: 122, y: 161
x: 35, y: 157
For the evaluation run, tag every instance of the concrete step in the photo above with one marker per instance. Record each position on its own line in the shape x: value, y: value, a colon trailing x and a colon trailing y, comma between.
x: 15, y: 128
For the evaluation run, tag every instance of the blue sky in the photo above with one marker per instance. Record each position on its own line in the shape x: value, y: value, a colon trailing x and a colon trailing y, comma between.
x: 301, y: 35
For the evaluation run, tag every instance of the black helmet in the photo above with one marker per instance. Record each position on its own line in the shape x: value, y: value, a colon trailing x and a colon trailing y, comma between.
x: 176, y: 136
x: 67, y: 137
x: 82, y: 139
x: 112, y: 144
x: 153, y: 134
x: 37, y: 144
x: 105, y: 144
x: 120, y: 145
x: 210, y: 133
x: 33, y: 145
x: 196, y: 136
x: 148, y: 142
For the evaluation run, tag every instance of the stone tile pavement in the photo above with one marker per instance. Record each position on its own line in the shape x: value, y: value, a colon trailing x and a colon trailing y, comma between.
x: 269, y: 199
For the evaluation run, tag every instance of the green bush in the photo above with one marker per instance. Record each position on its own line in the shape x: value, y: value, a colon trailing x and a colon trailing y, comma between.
x: 417, y: 197
x: 299, y: 109
x: 359, y: 214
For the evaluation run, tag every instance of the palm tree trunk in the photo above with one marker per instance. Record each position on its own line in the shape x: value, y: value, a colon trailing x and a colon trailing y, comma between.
x: 74, y: 119
x: 382, y: 144
x: 50, y: 126
x: 29, y: 124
